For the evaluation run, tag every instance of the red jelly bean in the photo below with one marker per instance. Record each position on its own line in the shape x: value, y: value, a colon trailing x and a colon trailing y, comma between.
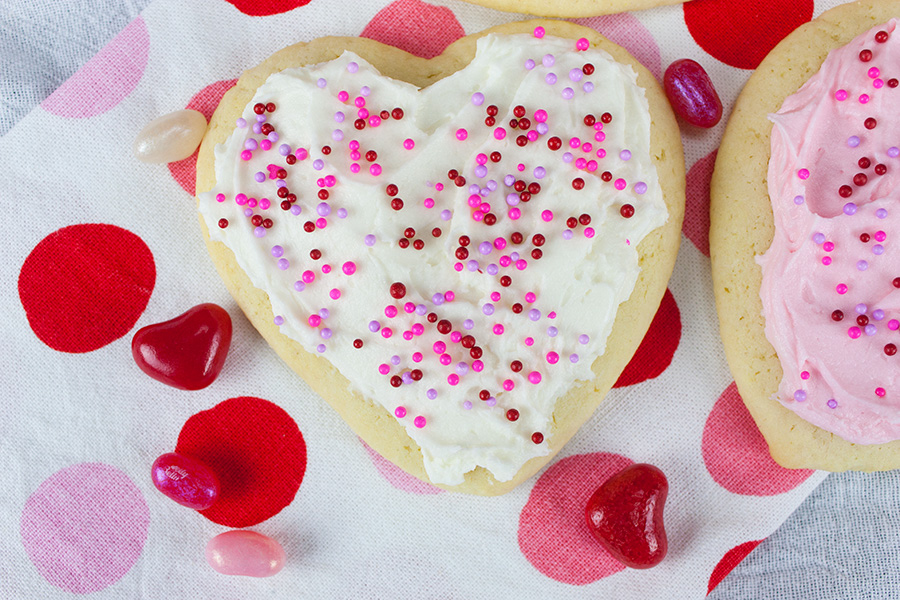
x: 625, y: 515
x: 691, y: 93
x: 185, y: 480
x: 187, y: 352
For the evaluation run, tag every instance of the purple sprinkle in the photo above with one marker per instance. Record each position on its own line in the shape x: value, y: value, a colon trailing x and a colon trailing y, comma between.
x: 446, y: 215
x: 279, y: 320
x: 871, y: 329
x: 406, y: 378
x: 474, y: 188
x: 248, y: 212
x: 488, y: 309
x: 431, y: 394
x: 318, y: 164
x: 477, y: 98
x: 395, y: 360
x: 861, y: 309
x: 893, y: 152
x: 576, y: 74
x: 491, y: 401
x: 273, y: 136
x: 862, y: 265
x: 299, y: 286
x: 369, y: 240
x: 468, y: 324
x: 552, y: 331
x: 567, y: 234
x: 325, y: 333
x: 251, y: 144
x: 485, y: 247
x: 323, y: 312
x: 853, y: 141
x: 509, y: 180
x: 480, y: 171
x: 260, y: 118
x: 484, y: 192
x: 542, y: 128
x: 472, y: 265
x: 296, y: 210
x: 567, y: 157
x: 321, y: 82
x: 259, y: 177
x: 352, y: 67
x: 462, y: 368
x: 342, y: 213
x: 832, y: 403
x: 877, y: 314
x: 548, y: 60
x: 491, y: 185
x: 529, y: 64
x: 568, y: 93
x: 421, y: 309
x: 539, y: 172
x: 259, y: 231
x: 800, y: 396
x: 798, y: 200
x: 437, y: 299
x: 534, y: 314
x: 877, y: 249
x: 492, y: 269
x: 573, y: 358
x: 257, y: 128
x: 850, y: 208
x: 467, y: 405
x: 881, y: 213
x: 640, y: 188
x: 339, y: 117
x: 284, y: 149
x: 337, y: 135
x: 323, y: 209
x: 281, y: 183
x: 512, y: 199
x: 625, y: 154
x: 241, y: 123
x: 277, y: 251
x: 283, y: 264
x: 364, y: 91
x: 374, y: 326
x: 514, y: 256
x: 588, y: 87
x: 583, y: 338
x: 320, y: 348
x: 550, y: 78
x: 818, y: 238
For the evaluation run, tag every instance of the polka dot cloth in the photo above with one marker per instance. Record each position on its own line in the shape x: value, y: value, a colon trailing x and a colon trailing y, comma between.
x: 115, y: 246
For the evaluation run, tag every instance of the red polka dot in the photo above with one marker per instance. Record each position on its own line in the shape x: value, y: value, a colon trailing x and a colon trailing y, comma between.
x: 696, y: 210
x: 731, y: 559
x: 85, y: 286
x: 264, y: 8
x: 206, y: 100
x: 736, y: 454
x: 627, y: 31
x: 655, y: 353
x: 397, y: 477
x: 256, y: 450
x: 553, y: 531
x: 416, y: 27
x: 106, y: 79
x: 741, y: 33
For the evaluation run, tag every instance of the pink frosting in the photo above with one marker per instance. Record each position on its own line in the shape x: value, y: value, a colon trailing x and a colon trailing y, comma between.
x: 839, y: 252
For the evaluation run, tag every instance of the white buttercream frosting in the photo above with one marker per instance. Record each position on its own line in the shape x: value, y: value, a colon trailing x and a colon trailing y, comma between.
x: 583, y: 273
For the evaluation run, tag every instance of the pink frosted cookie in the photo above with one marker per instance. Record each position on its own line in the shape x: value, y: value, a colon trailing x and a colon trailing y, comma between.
x: 459, y: 254
x: 804, y: 219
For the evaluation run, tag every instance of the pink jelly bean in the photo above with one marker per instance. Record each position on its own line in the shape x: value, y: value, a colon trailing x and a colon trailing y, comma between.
x: 691, y: 93
x: 243, y: 552
x: 185, y: 480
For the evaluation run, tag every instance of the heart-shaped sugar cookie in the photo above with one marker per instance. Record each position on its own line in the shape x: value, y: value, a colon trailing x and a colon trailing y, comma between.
x: 460, y: 259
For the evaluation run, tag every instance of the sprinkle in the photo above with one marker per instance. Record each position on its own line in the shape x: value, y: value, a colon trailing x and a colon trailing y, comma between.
x: 369, y: 240
x: 552, y: 331
x: 534, y: 377
x: 798, y: 200
x: 539, y: 32
x: 832, y: 403
x: 278, y: 320
x: 800, y: 396
x: 840, y: 95
x: 803, y: 173
x: 880, y: 392
x: 321, y: 348
x: 841, y: 288
x: 854, y: 332
x: 461, y: 134
x: 853, y: 141
x: 850, y: 209
x: 419, y: 422
x: 550, y: 78
x: 498, y: 329
x: 283, y: 264
x: 529, y: 64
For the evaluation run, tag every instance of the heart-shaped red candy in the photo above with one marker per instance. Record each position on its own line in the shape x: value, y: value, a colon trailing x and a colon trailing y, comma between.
x: 188, y: 351
x: 625, y: 515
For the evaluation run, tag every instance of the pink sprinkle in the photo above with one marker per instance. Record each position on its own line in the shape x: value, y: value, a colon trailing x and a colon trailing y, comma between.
x: 321, y: 223
x: 863, y: 98
x: 374, y: 121
x: 449, y: 296
x: 481, y: 158
x: 445, y: 359
x: 386, y: 332
x: 529, y: 341
x: 264, y: 203
x: 354, y: 168
x: 874, y: 72
x: 407, y: 335
x: 265, y: 145
x: 521, y: 264
x: 498, y: 329
x: 477, y: 366
x: 246, y: 155
x: 349, y: 267
x: 418, y: 329
x: 362, y: 113
x: 461, y: 134
x: 547, y: 216
x: 500, y: 243
x: 220, y: 197
x: 828, y: 246
x: 540, y: 115
x: 453, y: 379
x: 880, y: 392
x: 514, y: 213
x: 804, y: 375
x: 508, y: 384
x: 880, y: 236
x: 477, y: 215
x: 458, y: 267
x: 330, y: 181
x: 803, y: 173
x: 390, y: 311
x: 599, y: 137
x: 539, y: 32
x: 343, y: 96
x: 854, y: 332
x: 326, y: 269
x: 574, y: 142
x: 439, y: 186
x: 251, y: 202
x: 335, y: 293
x: 551, y: 314
x: 429, y: 203
x: 375, y: 169
x: 840, y: 95
x: 359, y: 101
x: 439, y: 347
x: 620, y: 184
x: 409, y: 307
x: 582, y: 44
x: 400, y: 412
x: 580, y: 163
x: 534, y: 377
x: 474, y: 201
x: 417, y: 356
x: 456, y: 337
x: 878, y: 84
x: 530, y: 297
x: 826, y: 260
x: 495, y: 296
x: 409, y: 144
x: 841, y: 288
x: 505, y: 261
x: 532, y: 135
x: 499, y: 133
x: 314, y: 320
x: 587, y: 147
x: 308, y: 277
x: 520, y: 167
x: 601, y: 153
x: 592, y: 165
x: 552, y: 358
x: 301, y: 154
x: 384, y: 369
x: 893, y: 324
x: 353, y: 145
x: 589, y: 232
x: 419, y: 422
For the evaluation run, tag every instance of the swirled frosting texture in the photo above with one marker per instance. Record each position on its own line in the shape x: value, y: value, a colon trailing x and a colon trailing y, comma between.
x: 829, y: 298
x: 510, y: 242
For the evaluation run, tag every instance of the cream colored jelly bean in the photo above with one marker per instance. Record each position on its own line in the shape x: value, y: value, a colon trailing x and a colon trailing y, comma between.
x: 247, y: 553
x: 171, y: 137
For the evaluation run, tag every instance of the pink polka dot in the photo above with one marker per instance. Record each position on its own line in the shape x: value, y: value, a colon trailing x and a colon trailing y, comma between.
x: 729, y: 561
x: 106, y: 79
x: 397, y: 477
x: 696, y: 210
x: 206, y: 101
x: 736, y: 454
x: 416, y: 27
x: 627, y: 31
x: 553, y: 531
x: 84, y: 527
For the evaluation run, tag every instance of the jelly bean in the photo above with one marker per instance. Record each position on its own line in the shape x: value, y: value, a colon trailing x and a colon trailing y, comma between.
x: 185, y: 480
x: 691, y: 93
x: 171, y: 137
x: 243, y: 552
x: 625, y: 515
x: 187, y: 352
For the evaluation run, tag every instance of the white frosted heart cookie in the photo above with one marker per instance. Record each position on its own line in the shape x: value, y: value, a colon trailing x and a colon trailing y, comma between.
x: 447, y: 251
x: 804, y: 213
